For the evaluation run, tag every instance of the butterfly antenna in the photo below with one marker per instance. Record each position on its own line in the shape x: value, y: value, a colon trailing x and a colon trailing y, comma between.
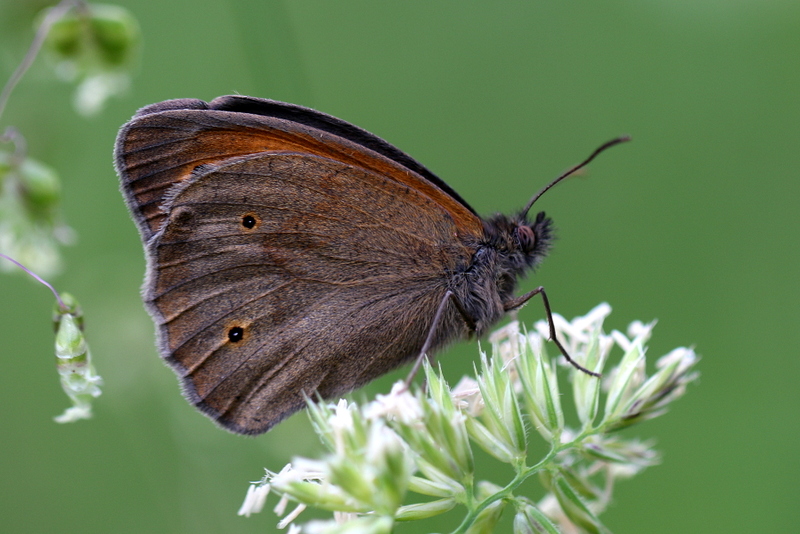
x: 577, y: 167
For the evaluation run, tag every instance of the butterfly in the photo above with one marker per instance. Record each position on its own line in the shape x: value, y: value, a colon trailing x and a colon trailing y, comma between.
x: 290, y: 253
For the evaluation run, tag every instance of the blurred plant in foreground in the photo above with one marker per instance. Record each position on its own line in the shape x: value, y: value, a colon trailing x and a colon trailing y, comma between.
x: 79, y: 380
x: 422, y: 443
x: 31, y: 226
x: 97, y: 47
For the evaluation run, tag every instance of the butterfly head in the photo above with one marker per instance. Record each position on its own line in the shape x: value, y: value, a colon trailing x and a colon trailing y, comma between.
x: 521, y: 244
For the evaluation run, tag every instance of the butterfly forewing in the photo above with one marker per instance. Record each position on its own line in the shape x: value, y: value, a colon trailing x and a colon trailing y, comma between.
x: 165, y: 142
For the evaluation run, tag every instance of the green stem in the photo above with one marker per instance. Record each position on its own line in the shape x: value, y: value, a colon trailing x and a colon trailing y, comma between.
x: 522, y: 474
x: 39, y: 279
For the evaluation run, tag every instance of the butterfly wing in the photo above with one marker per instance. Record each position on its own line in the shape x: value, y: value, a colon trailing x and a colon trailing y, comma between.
x: 276, y: 274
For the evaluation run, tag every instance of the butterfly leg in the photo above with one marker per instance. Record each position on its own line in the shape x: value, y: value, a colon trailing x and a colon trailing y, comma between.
x: 448, y: 296
x: 519, y: 301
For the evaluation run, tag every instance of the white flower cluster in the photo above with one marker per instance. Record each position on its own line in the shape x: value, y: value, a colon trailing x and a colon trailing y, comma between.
x: 422, y: 443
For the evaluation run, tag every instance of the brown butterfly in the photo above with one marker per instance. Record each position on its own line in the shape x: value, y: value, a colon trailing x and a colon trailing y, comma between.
x: 290, y: 253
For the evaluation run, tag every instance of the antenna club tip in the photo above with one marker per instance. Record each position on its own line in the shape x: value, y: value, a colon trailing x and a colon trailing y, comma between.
x: 616, y: 141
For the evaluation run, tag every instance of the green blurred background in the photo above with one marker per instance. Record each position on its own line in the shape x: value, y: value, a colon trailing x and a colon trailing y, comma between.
x: 694, y: 223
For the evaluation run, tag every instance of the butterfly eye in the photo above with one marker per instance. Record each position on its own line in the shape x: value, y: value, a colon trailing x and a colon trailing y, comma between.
x: 526, y: 237
x: 250, y: 221
x: 236, y: 334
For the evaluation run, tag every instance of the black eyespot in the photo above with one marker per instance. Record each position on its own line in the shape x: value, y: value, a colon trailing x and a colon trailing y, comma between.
x: 249, y: 222
x: 236, y: 334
